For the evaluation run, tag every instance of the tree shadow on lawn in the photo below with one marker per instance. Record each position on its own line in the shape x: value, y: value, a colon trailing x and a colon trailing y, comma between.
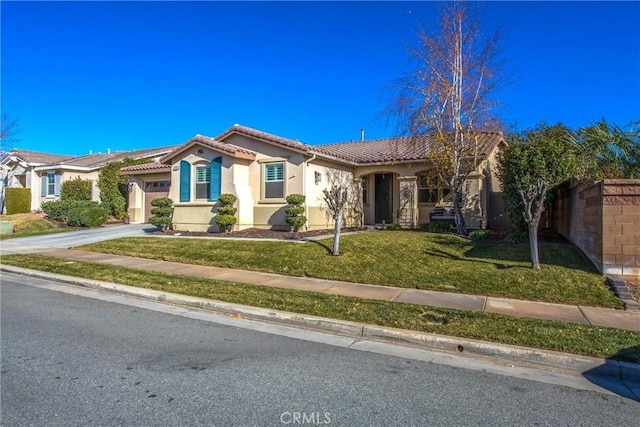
x: 559, y: 254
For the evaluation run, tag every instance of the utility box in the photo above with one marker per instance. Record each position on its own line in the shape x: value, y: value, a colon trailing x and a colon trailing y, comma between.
x: 6, y: 227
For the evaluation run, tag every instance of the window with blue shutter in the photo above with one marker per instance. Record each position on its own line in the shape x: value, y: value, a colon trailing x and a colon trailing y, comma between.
x: 215, y: 186
x: 185, y: 181
x: 56, y: 184
x: 44, y: 180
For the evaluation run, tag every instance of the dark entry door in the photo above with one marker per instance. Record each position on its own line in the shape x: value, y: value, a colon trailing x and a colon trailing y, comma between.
x: 384, y: 190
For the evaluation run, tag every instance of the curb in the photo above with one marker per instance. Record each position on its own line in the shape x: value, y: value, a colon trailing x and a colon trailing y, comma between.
x: 523, y: 356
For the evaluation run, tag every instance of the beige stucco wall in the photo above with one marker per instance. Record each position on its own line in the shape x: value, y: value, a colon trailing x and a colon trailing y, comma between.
x: 66, y: 175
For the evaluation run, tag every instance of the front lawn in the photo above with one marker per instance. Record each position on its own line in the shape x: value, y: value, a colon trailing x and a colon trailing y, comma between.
x: 546, y: 334
x: 30, y: 224
x: 397, y: 258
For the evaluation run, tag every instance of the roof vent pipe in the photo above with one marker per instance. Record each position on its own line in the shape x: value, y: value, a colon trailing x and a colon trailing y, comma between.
x: 362, y: 134
x: 108, y: 150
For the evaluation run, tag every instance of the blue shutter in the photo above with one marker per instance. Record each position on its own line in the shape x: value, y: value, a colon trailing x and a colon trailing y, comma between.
x: 44, y: 182
x: 215, y: 182
x: 185, y: 181
x: 56, y: 187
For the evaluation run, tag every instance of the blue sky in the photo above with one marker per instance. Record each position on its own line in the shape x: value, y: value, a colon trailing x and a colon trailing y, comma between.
x: 83, y: 76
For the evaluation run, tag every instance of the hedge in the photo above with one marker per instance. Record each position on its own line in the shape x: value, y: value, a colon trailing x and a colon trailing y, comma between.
x: 17, y: 200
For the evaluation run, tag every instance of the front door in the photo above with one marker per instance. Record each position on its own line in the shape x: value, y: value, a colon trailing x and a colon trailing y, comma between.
x: 383, y: 198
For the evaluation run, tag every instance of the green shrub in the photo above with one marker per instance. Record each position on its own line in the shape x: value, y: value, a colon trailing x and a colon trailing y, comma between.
x: 295, y: 211
x: 435, y: 227
x: 226, y: 213
x: 392, y: 226
x: 162, y: 211
x: 17, y: 200
x: 87, y: 217
x: 58, y: 210
x: 114, y: 186
x: 227, y: 199
x: 481, y: 235
x: 517, y: 237
x: 76, y: 189
x: 295, y: 199
x: 226, y: 210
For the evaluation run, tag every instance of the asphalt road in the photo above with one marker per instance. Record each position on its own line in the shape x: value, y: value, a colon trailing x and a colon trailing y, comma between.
x: 71, y: 360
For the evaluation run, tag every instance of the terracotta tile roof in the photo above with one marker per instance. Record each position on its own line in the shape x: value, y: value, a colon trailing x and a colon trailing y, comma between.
x: 231, y: 149
x: 254, y: 133
x: 391, y: 150
x: 221, y: 146
x: 147, y: 167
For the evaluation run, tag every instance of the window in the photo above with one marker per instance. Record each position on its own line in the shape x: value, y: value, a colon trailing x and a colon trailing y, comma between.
x: 203, y: 180
x: 51, y: 184
x: 427, y: 190
x: 274, y: 180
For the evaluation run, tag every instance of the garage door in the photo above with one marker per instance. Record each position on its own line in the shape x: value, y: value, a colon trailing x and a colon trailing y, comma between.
x: 154, y: 190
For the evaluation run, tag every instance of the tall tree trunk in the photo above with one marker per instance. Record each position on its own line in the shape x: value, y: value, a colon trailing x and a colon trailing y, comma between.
x: 461, y: 228
x: 336, y: 233
x: 533, y: 245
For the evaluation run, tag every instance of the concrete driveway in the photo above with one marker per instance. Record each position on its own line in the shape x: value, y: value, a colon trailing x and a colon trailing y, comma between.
x: 47, y: 242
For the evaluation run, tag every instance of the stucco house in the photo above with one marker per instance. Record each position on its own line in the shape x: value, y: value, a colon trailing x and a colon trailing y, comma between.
x: 44, y: 173
x: 388, y: 178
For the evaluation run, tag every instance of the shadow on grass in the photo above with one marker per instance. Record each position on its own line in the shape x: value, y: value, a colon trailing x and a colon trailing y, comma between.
x: 322, y: 245
x: 501, y: 255
x: 466, y: 258
x: 623, y: 363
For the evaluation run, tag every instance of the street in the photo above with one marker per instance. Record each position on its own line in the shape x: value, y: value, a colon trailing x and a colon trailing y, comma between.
x: 72, y: 360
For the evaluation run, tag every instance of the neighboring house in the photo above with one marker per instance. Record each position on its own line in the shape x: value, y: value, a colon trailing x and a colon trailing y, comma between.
x: 44, y: 173
x: 389, y: 177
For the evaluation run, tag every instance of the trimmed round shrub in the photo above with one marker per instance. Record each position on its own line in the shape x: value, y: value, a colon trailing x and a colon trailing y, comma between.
x: 295, y: 211
x: 226, y: 213
x: 227, y: 199
x: 226, y: 210
x: 162, y: 212
x: 295, y: 199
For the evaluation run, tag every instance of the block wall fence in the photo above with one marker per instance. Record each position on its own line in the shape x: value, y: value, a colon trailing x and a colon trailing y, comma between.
x: 603, y: 219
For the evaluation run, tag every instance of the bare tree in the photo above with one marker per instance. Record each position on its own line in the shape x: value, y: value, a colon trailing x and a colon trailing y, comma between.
x: 8, y: 130
x: 447, y: 96
x: 342, y: 198
x: 336, y: 200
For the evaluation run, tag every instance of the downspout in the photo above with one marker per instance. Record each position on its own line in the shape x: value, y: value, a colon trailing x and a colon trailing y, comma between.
x: 304, y: 189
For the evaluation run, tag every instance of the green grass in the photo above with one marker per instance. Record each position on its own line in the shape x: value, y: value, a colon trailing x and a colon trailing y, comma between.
x: 551, y: 335
x: 398, y: 258
x: 25, y: 225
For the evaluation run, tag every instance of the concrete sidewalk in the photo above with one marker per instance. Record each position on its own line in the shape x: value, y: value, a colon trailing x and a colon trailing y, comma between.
x: 622, y: 319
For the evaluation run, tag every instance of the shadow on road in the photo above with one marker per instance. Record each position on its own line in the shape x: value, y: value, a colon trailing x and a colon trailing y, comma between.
x: 627, y: 383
